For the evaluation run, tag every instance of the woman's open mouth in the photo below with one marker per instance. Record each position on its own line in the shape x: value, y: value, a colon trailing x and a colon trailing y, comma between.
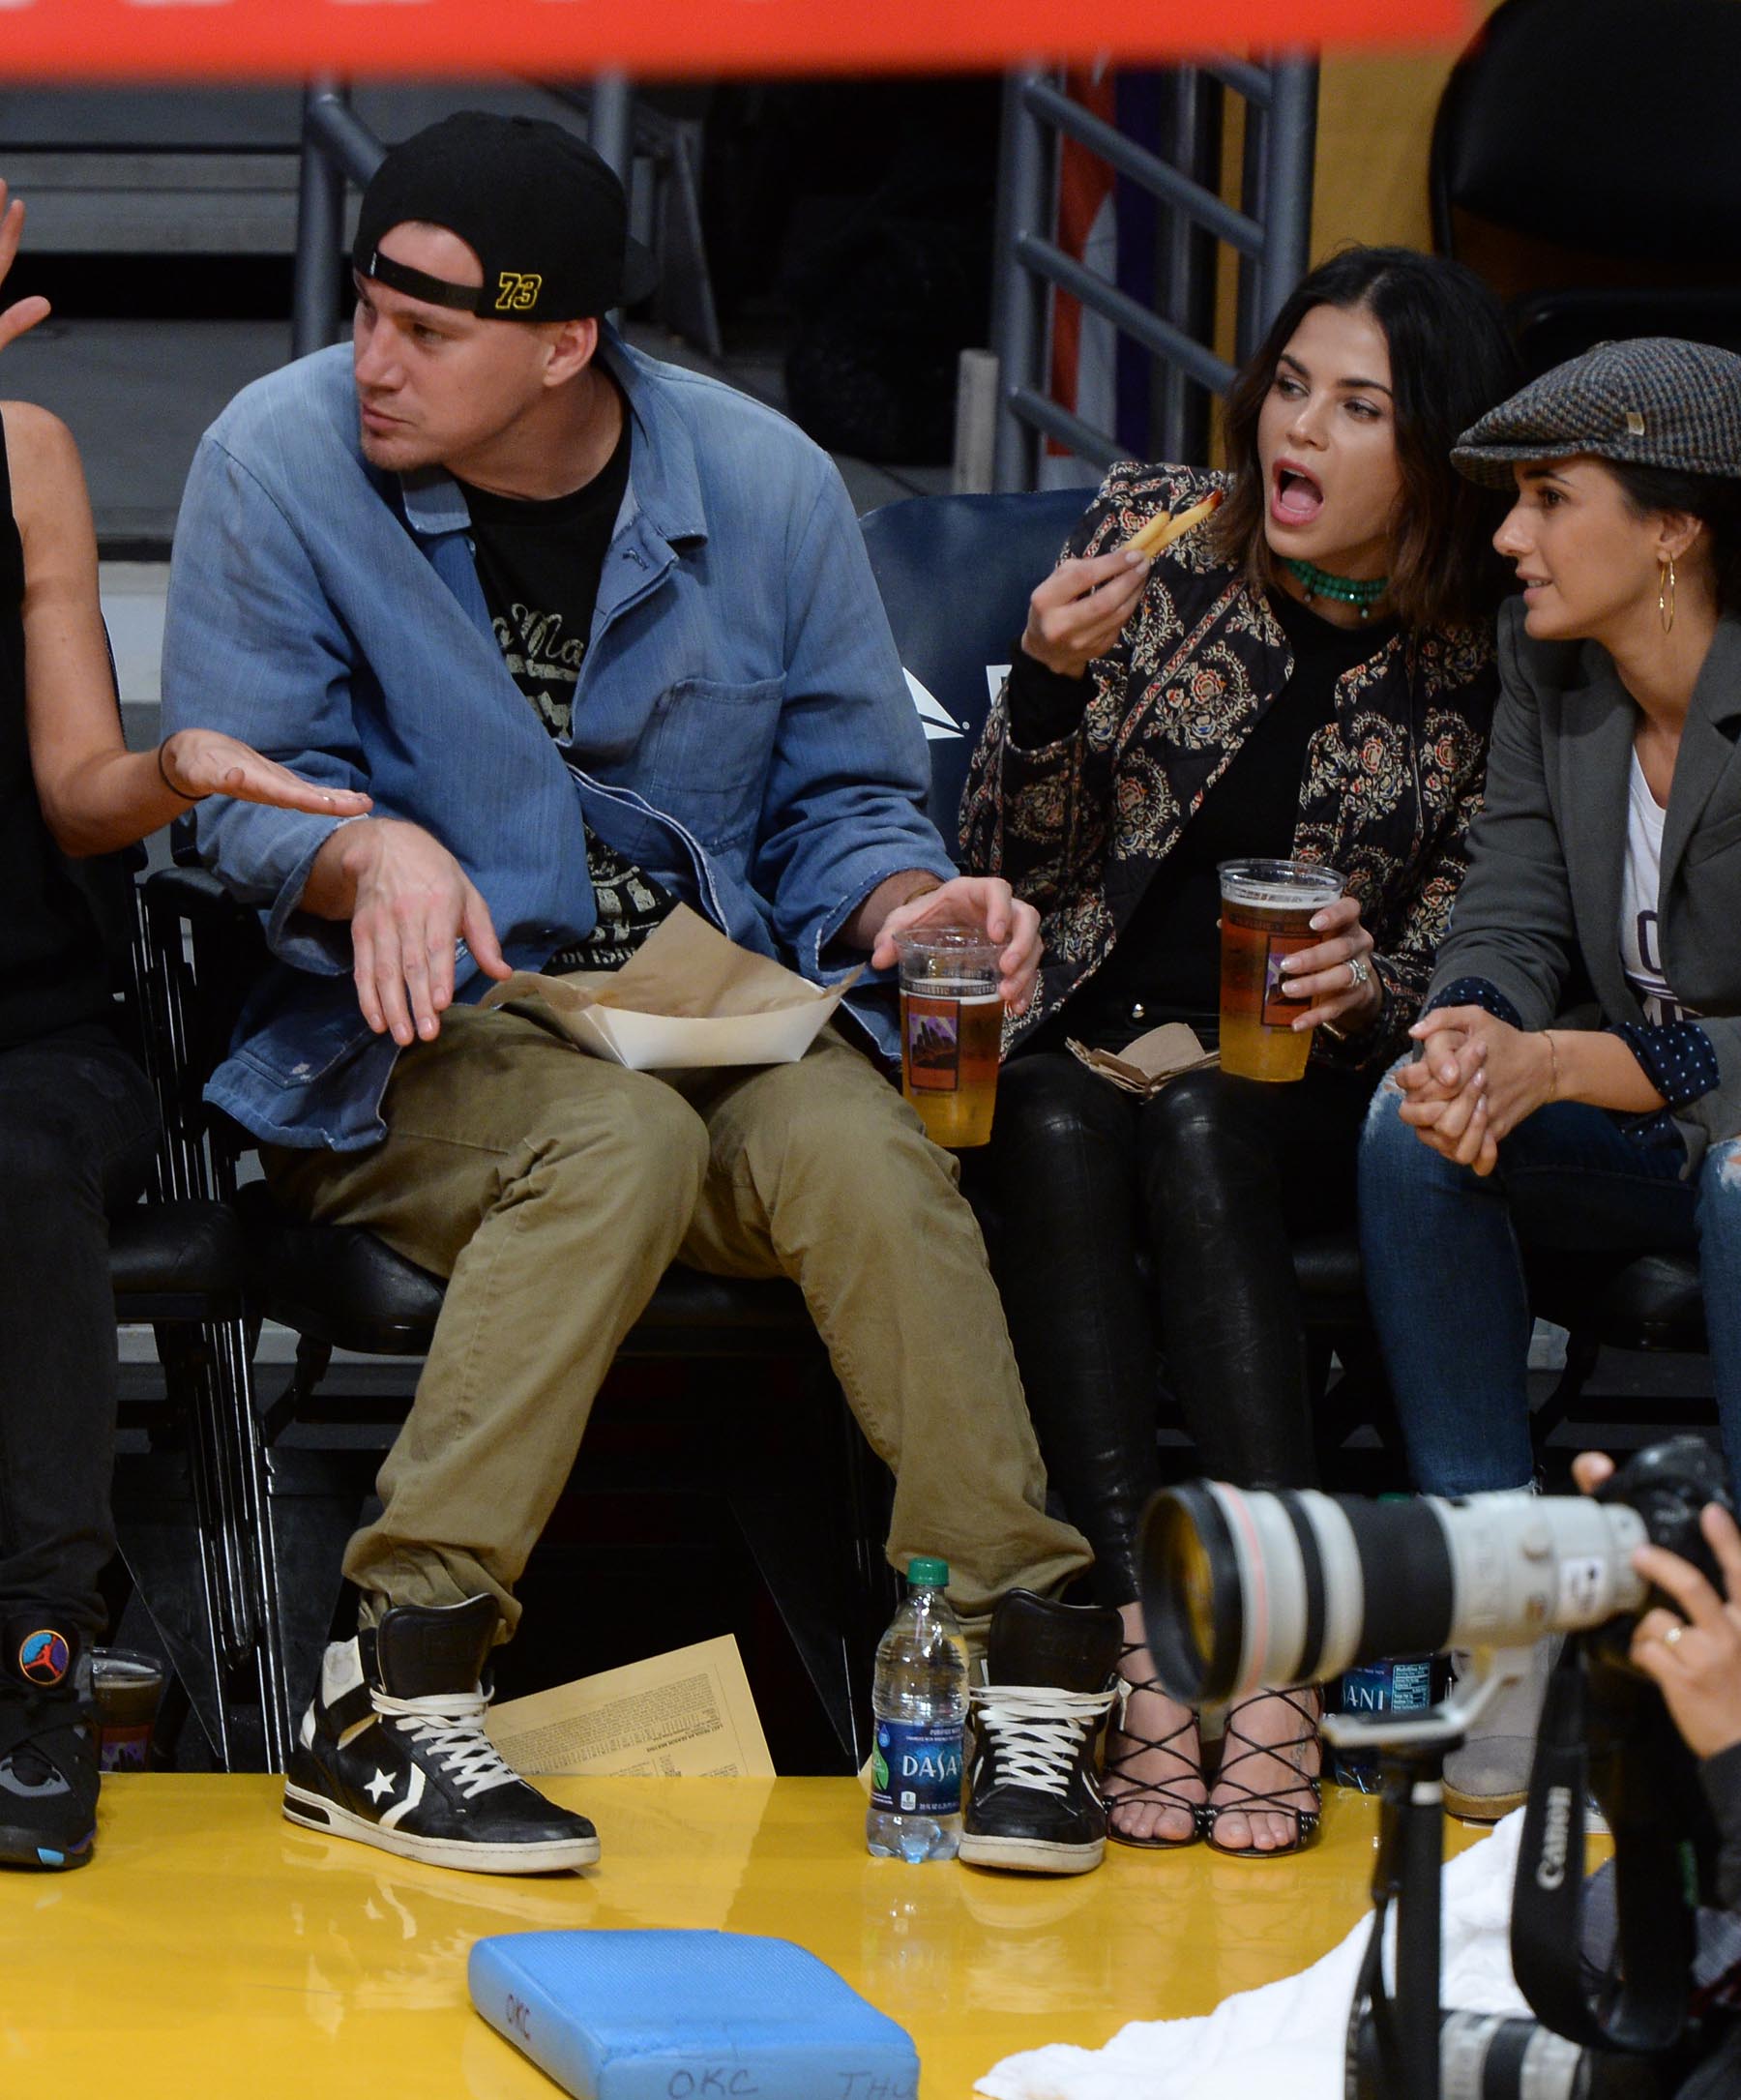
x: 1295, y: 496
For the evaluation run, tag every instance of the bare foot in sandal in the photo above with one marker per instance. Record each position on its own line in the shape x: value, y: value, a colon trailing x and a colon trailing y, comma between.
x: 1154, y: 1771
x: 1265, y: 1798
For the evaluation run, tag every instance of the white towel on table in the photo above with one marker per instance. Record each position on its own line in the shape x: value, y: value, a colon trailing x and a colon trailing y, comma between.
x: 1289, y: 2036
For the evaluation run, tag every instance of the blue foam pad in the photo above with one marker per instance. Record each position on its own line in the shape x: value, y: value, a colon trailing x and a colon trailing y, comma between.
x: 689, y: 2016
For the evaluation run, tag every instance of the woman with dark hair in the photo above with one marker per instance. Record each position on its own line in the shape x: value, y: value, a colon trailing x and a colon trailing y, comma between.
x: 1581, y: 1082
x: 77, y: 1121
x: 1310, y: 675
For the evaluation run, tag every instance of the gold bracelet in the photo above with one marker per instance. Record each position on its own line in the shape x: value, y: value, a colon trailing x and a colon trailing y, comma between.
x: 1552, y: 1064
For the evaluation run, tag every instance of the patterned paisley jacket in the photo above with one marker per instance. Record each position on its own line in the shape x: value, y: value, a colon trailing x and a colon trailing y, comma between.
x: 1388, y: 790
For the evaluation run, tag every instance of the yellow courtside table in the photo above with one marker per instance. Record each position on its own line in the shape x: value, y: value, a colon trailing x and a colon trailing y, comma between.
x: 212, y: 1951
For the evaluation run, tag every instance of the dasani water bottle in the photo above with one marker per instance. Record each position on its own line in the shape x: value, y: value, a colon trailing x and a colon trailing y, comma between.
x: 918, y: 1701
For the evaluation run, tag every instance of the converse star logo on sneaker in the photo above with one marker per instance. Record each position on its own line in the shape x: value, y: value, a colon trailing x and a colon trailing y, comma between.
x: 417, y: 1774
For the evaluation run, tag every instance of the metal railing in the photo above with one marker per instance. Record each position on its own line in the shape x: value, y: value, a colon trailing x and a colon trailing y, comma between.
x: 337, y: 148
x: 1270, y: 231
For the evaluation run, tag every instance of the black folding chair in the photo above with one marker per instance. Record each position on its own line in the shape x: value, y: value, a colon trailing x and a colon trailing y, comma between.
x: 1585, y: 161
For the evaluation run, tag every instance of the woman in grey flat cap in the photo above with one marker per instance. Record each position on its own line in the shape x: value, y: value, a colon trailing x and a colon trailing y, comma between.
x: 1579, y: 1082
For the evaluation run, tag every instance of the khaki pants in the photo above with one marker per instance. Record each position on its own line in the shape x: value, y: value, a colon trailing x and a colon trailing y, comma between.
x: 552, y: 1190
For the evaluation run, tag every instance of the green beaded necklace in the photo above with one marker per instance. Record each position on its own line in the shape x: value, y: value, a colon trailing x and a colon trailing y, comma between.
x: 1316, y: 582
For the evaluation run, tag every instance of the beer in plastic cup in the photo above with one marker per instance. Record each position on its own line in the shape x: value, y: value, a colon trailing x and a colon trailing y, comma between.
x: 951, y: 1030
x: 1266, y: 916
x: 126, y: 1686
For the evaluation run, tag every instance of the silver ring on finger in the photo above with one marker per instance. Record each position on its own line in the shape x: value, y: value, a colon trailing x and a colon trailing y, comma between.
x: 1359, y: 973
x: 1672, y: 1638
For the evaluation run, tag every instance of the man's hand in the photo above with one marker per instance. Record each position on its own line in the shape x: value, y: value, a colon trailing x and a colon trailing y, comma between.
x: 1076, y: 614
x: 988, y: 900
x: 1695, y: 1662
x: 200, y: 762
x: 408, y: 901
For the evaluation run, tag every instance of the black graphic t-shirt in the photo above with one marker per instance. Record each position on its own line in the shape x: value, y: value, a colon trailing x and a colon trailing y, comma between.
x: 539, y: 563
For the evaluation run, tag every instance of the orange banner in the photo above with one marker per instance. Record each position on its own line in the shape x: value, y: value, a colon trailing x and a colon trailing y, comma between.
x: 290, y: 39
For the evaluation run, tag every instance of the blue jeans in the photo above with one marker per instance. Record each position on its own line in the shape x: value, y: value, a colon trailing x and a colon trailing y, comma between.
x: 1444, y: 1269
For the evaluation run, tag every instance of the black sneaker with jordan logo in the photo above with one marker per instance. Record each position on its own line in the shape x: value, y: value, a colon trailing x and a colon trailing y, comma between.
x: 392, y: 1752
x: 48, y: 1764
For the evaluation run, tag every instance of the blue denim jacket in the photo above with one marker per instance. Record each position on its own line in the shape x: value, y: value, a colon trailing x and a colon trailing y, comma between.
x: 742, y: 728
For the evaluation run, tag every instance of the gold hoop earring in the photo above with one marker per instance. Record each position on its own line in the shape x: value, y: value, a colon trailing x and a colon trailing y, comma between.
x: 1666, y: 595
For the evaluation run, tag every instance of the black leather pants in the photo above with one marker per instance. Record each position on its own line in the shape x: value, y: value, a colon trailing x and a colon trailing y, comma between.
x: 1128, y: 1231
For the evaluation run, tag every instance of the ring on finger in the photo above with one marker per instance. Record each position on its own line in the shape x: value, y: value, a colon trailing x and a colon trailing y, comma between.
x: 1672, y: 1638
x: 1359, y: 972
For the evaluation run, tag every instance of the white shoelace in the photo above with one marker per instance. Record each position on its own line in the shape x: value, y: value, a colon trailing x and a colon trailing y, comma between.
x: 452, y: 1724
x: 1038, y: 1730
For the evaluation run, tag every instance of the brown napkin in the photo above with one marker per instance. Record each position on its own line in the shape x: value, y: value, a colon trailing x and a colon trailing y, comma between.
x: 687, y: 996
x: 1146, y: 1066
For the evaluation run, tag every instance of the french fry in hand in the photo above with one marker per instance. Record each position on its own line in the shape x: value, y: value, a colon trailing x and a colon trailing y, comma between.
x: 1160, y: 532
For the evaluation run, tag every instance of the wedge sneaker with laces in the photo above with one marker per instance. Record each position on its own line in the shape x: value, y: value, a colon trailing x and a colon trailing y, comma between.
x: 48, y: 1763
x: 392, y: 1752
x: 1035, y: 1804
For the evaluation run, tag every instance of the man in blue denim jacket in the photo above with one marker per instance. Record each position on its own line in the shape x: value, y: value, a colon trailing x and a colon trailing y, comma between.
x: 597, y: 636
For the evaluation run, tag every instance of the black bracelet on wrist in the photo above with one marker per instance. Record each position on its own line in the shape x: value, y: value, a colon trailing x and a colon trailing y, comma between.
x: 163, y: 776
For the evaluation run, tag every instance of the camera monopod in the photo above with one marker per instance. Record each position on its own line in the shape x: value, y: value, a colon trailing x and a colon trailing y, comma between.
x: 1400, y: 2041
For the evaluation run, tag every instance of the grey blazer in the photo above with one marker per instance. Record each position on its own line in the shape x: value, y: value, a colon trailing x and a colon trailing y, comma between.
x: 1539, y: 911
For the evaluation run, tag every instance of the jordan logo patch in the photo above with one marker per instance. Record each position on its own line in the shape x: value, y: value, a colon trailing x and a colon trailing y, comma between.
x: 45, y: 1657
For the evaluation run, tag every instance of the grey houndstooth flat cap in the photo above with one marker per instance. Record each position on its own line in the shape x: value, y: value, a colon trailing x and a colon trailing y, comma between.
x: 1652, y: 402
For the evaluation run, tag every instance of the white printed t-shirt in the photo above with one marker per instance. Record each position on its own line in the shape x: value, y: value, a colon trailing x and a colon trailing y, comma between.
x: 1640, y: 933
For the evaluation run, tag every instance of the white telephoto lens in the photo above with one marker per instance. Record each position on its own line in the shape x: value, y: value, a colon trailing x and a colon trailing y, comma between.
x: 1524, y: 1565
x: 1283, y: 1639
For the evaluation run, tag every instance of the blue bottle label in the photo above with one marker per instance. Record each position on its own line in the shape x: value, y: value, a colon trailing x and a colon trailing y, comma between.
x: 916, y: 1767
x: 1399, y: 1687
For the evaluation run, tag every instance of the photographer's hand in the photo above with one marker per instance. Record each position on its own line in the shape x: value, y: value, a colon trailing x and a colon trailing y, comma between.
x: 1695, y: 1662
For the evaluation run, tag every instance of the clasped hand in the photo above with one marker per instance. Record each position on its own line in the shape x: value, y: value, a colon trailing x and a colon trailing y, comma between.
x: 1477, y: 1079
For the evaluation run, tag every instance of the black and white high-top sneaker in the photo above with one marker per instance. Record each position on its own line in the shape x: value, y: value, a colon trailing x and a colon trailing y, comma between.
x: 49, y: 1766
x: 1035, y: 1802
x: 392, y: 1752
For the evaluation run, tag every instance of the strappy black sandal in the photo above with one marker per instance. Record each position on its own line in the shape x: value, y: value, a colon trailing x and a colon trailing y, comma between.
x: 1238, y: 1748
x: 1160, y: 1792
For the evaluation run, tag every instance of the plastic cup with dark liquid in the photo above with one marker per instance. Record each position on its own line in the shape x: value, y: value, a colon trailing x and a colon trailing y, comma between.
x: 126, y: 1686
x: 1266, y: 913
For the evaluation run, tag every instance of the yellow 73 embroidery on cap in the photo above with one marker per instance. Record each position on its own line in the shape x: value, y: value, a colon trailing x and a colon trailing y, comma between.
x: 520, y: 290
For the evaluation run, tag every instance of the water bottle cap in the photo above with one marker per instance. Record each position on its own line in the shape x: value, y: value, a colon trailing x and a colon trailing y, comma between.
x: 926, y: 1574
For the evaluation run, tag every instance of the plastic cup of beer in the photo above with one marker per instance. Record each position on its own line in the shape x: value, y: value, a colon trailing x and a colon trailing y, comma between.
x: 1266, y: 916
x: 126, y: 1686
x: 951, y: 1030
